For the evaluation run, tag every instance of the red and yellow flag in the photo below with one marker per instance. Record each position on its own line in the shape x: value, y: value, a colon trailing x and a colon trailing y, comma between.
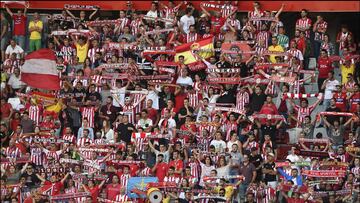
x: 186, y: 50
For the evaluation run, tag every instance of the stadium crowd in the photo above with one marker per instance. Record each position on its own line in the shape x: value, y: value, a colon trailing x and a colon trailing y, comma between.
x: 211, y: 122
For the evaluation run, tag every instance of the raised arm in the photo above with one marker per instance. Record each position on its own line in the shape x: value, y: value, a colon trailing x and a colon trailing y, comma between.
x: 65, y: 177
x: 205, y: 11
x: 325, y: 121
x: 70, y: 14
x: 9, y: 11
x: 93, y: 13
x: 24, y: 168
x: 279, y: 11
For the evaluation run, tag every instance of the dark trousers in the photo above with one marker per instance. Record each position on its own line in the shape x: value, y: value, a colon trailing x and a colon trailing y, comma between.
x: 320, y: 82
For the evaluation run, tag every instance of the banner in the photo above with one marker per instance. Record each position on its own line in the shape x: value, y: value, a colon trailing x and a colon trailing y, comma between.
x: 186, y: 50
x: 80, y: 7
x: 139, y: 183
x: 324, y: 173
x: 236, y: 48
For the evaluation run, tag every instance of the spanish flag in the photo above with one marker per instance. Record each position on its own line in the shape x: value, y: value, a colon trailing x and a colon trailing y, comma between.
x: 186, y: 50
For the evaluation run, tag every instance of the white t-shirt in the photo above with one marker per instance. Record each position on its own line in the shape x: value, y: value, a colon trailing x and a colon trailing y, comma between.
x: 330, y: 86
x: 153, y: 14
x: 18, y: 50
x: 219, y: 145
x: 15, y: 82
x: 184, y: 81
x: 155, y: 98
x: 186, y: 21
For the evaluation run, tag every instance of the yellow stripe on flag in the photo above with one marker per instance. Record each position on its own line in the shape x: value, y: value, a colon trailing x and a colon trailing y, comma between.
x: 185, y: 50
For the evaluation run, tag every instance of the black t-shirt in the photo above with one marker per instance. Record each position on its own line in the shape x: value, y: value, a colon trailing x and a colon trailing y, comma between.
x: 268, y: 130
x: 257, y: 101
x: 331, y: 119
x: 93, y: 96
x: 269, y: 177
x: 124, y: 133
x: 223, y: 64
x: 31, y: 180
x: 78, y: 94
x: 244, y: 70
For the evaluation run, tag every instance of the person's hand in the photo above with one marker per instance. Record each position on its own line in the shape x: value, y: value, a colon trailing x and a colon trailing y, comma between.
x: 130, y: 128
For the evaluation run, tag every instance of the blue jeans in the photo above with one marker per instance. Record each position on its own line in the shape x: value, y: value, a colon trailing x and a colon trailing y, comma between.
x: 20, y: 40
x: 242, y: 192
x: 326, y: 103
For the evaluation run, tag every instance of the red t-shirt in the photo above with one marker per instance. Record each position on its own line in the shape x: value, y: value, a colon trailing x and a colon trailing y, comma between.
x: 179, y: 101
x: 178, y: 164
x: 55, y: 188
x: 14, y: 123
x: 133, y: 169
x: 94, y: 193
x: 301, y: 44
x: 324, y: 66
x: 340, y: 98
x: 217, y: 23
x: 112, y: 190
x: 152, y: 113
x: 19, y: 24
x: 161, y: 171
x: 5, y: 110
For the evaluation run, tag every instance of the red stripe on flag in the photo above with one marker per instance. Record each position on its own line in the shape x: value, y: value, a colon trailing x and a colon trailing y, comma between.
x: 186, y: 47
x: 42, y: 54
x: 42, y: 81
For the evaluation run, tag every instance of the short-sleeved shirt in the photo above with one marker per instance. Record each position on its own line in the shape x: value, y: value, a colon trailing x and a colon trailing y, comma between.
x: 19, y: 24
x: 17, y: 50
x: 247, y: 172
x: 337, y: 136
x: 81, y: 52
x: 35, y: 34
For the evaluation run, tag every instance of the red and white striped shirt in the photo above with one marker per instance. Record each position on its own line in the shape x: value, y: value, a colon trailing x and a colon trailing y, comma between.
x: 130, y: 112
x: 194, y: 98
x: 135, y: 26
x: 195, y: 169
x: 304, y: 23
x: 172, y: 179
x: 124, y: 178
x: 123, y: 22
x: 70, y: 138
x: 89, y: 114
x: 257, y: 23
x: 191, y: 37
x: 235, y: 23
x: 320, y: 36
x: 295, y: 53
x: 146, y: 172
x: 10, y: 65
x: 260, y: 50
x: 81, y: 142
x: 302, y: 112
x: 263, y: 36
x: 230, y: 126
x: 35, y: 113
x: 122, y: 198
x: 12, y: 152
x: 167, y: 11
x: 137, y: 98
x: 36, y: 156
x: 206, y: 35
x: 242, y: 98
x: 54, y: 154
x: 226, y: 10
x: 67, y: 52
x: 98, y: 81
x: 91, y: 53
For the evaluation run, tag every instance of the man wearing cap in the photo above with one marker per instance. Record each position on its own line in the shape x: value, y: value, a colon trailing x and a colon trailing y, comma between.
x: 269, y: 171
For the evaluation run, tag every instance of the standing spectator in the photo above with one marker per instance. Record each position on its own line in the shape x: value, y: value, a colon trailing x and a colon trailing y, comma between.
x: 329, y: 86
x: 4, y: 34
x: 304, y: 23
x: 327, y: 45
x: 35, y: 29
x: 324, y: 65
x: 341, y: 38
x: 187, y: 20
x: 320, y: 27
x: 275, y: 47
x: 19, y: 31
x: 283, y: 40
x: 82, y: 46
x: 257, y: 13
x: 248, y: 170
